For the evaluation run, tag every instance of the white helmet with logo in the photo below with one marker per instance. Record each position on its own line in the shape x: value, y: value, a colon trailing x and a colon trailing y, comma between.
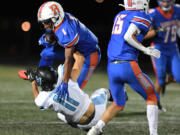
x: 51, y: 10
x: 136, y: 5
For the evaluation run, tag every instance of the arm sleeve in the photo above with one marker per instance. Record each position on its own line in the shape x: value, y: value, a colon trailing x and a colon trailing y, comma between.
x: 130, y: 39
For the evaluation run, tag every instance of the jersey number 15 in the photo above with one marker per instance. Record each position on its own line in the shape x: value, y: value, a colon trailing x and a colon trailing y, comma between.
x: 118, y: 24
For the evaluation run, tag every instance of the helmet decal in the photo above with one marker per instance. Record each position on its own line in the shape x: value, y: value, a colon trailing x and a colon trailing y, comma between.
x: 136, y: 5
x: 55, y: 9
x: 130, y: 3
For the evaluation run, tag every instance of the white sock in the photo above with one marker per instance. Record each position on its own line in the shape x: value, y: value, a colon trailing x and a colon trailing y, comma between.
x: 152, y: 116
x: 100, y: 125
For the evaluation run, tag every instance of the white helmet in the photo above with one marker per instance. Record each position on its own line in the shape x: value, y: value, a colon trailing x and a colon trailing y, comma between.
x: 51, y: 10
x: 136, y: 5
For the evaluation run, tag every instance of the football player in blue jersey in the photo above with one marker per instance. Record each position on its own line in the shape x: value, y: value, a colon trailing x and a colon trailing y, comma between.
x: 130, y: 27
x: 165, y: 23
x: 79, y: 43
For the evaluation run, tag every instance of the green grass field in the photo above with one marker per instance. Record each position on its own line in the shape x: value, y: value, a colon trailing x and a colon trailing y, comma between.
x: 20, y: 116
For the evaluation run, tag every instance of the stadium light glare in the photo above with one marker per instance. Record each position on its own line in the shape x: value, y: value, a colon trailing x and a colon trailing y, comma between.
x: 99, y: 1
x: 26, y: 26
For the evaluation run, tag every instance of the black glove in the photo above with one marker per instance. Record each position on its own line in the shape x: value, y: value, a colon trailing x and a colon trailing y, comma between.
x: 51, y: 38
x: 31, y: 74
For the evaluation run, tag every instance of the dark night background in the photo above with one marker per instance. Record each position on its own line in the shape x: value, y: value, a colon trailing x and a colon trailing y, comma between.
x: 19, y: 47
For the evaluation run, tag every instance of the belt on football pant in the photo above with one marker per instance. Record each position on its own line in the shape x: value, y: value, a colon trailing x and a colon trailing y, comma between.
x: 119, y: 61
x: 89, y: 119
x: 73, y: 124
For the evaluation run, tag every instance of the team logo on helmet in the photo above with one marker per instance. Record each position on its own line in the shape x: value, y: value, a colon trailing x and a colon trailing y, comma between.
x: 51, y: 10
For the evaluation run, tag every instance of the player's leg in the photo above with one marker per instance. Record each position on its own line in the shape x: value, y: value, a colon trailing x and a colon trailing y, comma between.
x: 118, y: 94
x: 100, y: 98
x: 160, y: 69
x: 176, y: 67
x: 143, y: 85
x: 88, y: 68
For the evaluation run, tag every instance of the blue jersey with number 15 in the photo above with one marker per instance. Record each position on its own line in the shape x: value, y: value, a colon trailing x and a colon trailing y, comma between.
x: 118, y: 48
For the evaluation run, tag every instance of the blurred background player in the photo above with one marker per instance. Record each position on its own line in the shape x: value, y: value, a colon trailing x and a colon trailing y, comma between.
x: 165, y: 19
x: 78, y: 110
x: 79, y: 43
x: 130, y: 27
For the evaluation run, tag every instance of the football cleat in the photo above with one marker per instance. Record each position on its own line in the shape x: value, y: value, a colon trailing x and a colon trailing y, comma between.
x: 161, y: 108
x: 22, y: 74
x: 94, y: 131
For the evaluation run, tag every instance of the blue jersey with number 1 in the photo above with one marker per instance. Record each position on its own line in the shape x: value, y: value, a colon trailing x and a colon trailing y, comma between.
x: 73, y: 33
x: 118, y: 48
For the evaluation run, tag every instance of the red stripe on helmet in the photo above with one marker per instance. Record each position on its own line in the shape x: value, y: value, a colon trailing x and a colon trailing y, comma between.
x: 40, y: 9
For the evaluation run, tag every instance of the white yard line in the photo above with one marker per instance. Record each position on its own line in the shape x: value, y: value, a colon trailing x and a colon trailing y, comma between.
x: 54, y: 122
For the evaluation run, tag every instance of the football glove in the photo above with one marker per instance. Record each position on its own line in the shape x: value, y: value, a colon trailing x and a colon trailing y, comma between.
x: 152, y: 52
x: 62, y: 91
x: 31, y: 74
x: 50, y: 37
x: 160, y: 29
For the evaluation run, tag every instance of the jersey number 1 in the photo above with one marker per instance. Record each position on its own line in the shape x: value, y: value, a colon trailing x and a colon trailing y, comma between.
x: 118, y: 24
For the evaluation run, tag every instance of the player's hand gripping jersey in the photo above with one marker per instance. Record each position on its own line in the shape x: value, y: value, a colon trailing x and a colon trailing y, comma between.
x: 71, y: 32
x: 118, y: 48
x: 74, y: 107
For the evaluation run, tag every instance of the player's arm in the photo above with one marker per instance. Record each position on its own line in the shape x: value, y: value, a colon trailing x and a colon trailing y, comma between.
x: 130, y: 38
x: 77, y: 66
x: 178, y: 30
x: 151, y: 33
x: 35, y: 89
x: 68, y: 63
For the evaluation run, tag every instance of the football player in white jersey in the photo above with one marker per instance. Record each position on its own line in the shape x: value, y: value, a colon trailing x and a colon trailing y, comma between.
x: 78, y: 110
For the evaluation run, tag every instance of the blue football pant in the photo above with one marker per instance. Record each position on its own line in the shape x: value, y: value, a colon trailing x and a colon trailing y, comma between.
x: 166, y: 64
x: 131, y: 74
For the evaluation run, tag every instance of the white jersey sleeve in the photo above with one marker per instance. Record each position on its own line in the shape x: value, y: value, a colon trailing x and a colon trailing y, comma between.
x: 42, y: 100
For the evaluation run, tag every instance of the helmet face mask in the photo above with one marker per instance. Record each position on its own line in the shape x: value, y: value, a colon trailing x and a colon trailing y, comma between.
x: 136, y: 5
x: 166, y: 5
x: 51, y: 10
